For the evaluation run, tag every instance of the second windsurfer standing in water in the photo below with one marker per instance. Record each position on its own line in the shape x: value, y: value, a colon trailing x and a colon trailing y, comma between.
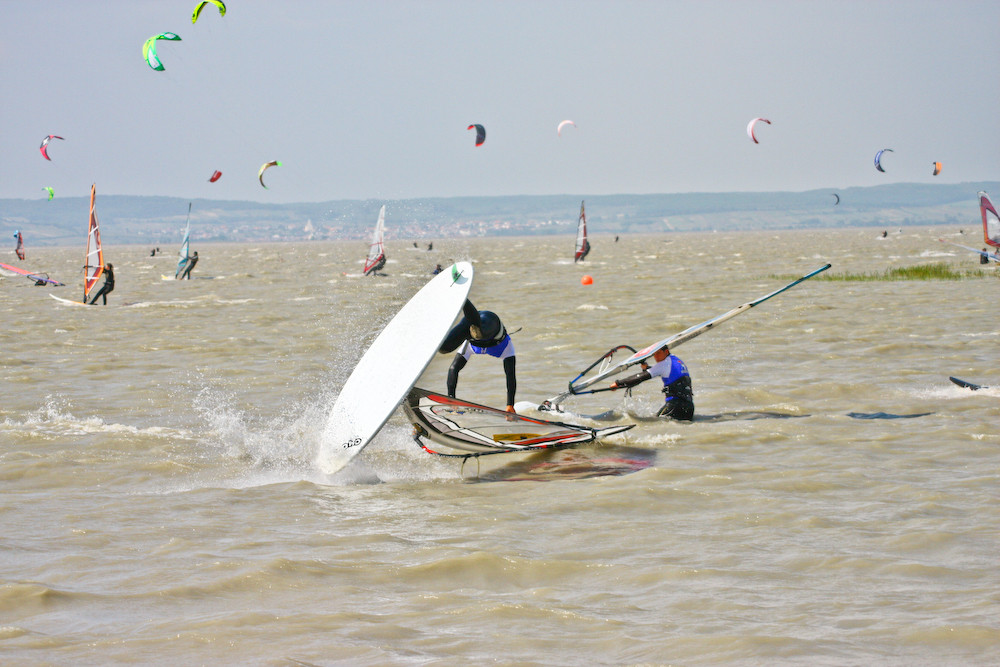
x: 480, y: 332
x: 107, y: 287
x: 676, y: 384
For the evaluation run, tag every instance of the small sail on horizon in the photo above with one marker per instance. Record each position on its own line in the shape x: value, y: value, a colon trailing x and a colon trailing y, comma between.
x: 582, y: 244
x: 376, y: 250
x: 94, y: 265
x: 184, y: 256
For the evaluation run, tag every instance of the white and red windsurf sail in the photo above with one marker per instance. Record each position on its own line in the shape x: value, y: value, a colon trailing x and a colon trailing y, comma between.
x: 991, y: 221
x: 376, y: 250
x: 582, y: 244
x: 94, y: 265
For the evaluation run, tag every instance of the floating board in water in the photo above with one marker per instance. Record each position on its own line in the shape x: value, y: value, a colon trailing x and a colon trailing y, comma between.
x: 967, y: 385
x: 469, y: 429
x: 67, y: 301
x: 391, y: 366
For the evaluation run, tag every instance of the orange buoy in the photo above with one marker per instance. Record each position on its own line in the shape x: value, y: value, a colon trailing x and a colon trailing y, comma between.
x: 586, y: 280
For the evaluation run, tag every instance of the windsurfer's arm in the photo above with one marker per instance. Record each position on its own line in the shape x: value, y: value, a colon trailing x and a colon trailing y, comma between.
x: 508, y: 368
x: 631, y: 380
x: 471, y: 314
x: 456, y: 366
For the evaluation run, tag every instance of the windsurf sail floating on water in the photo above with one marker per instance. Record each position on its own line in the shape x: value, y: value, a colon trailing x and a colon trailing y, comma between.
x: 376, y: 250
x: 19, y: 250
x: 582, y: 244
x: 184, y: 256
x: 579, y: 384
x: 991, y: 221
x: 38, y: 278
x: 470, y: 429
x: 93, y: 266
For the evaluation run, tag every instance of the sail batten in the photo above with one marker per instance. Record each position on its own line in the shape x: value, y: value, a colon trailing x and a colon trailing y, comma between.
x: 94, y: 263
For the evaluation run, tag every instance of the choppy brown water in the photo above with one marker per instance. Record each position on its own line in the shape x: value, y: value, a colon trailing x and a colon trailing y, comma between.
x: 161, y: 501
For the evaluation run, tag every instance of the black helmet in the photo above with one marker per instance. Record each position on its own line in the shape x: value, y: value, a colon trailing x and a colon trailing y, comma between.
x: 490, y: 332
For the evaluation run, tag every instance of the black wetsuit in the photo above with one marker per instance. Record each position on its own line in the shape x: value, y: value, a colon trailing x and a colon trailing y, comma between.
x: 106, y: 288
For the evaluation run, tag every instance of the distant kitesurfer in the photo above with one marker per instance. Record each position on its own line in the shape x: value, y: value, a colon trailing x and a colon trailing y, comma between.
x: 884, y: 233
x: 676, y: 384
x: 415, y: 245
x: 107, y: 287
x: 192, y: 260
x: 984, y: 258
x: 480, y: 332
x: 616, y: 238
x: 437, y: 270
x: 430, y: 246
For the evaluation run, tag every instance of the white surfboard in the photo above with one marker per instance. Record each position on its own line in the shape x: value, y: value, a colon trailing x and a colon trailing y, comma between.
x: 392, y: 365
x: 68, y: 302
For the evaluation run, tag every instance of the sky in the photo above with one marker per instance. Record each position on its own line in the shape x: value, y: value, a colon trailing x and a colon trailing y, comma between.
x: 371, y: 99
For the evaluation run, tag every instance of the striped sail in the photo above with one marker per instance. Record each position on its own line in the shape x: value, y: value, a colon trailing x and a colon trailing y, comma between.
x: 94, y: 264
x: 376, y: 250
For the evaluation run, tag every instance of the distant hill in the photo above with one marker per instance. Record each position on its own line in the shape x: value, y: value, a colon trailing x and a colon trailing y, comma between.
x: 159, y: 220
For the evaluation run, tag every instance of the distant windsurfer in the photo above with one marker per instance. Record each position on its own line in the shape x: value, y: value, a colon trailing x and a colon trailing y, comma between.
x: 984, y: 257
x: 480, y: 332
x: 676, y: 384
x: 186, y: 273
x: 373, y: 271
x: 437, y: 270
x: 583, y: 252
x: 107, y: 287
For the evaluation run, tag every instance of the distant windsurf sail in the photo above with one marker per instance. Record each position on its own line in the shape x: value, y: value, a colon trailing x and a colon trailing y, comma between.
x: 470, y: 429
x: 38, y: 278
x: 184, y: 256
x: 991, y: 221
x: 376, y: 250
x: 582, y: 244
x: 19, y: 250
x: 94, y: 265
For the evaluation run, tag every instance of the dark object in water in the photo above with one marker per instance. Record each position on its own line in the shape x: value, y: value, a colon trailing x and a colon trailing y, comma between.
x: 885, y: 415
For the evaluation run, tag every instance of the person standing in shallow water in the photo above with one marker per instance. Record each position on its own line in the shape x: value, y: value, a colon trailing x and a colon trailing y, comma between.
x: 676, y: 384
x: 480, y: 332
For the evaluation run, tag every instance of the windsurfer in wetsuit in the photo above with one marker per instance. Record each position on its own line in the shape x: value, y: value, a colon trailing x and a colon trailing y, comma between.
x: 676, y: 384
x: 107, y: 287
x: 480, y: 332
x: 192, y: 260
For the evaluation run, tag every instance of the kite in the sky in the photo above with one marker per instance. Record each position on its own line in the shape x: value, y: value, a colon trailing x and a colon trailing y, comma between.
x: 480, y: 133
x: 750, y: 127
x: 52, y: 193
x: 264, y: 167
x: 216, y: 175
x: 878, y: 158
x: 45, y: 146
x: 937, y: 169
x: 149, y: 49
x: 201, y: 5
x: 837, y: 196
x: 564, y: 124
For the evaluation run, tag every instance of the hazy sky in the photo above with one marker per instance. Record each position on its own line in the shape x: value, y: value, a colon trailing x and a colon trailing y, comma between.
x: 371, y: 99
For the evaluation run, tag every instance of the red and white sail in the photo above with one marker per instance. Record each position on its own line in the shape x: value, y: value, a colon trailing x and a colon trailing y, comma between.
x: 376, y: 250
x: 582, y: 244
x: 94, y: 264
